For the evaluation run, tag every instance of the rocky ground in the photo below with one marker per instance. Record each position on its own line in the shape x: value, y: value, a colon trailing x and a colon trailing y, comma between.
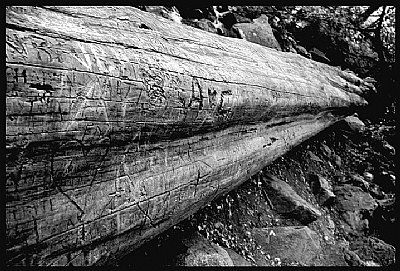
x: 328, y: 202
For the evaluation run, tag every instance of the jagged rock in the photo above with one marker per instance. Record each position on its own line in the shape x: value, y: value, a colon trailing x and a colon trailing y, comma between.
x: 203, y: 24
x: 286, y: 201
x: 359, y: 181
x: 202, y: 252
x: 291, y: 244
x: 355, y: 223
x: 237, y: 259
x: 321, y: 189
x: 229, y: 19
x: 376, y: 191
x: 354, y: 203
x: 352, y: 258
x: 352, y: 198
x: 354, y: 123
x: 319, y: 56
x: 259, y: 32
x: 376, y: 250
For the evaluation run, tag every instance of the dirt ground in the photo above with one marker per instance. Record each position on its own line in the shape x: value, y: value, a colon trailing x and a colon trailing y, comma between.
x: 229, y: 219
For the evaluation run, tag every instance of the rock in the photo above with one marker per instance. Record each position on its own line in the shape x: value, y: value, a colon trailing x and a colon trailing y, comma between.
x: 237, y: 259
x: 169, y: 13
x: 302, y: 51
x: 229, y: 19
x: 314, y: 157
x: 321, y: 189
x: 355, y: 124
x: 368, y: 176
x: 352, y: 258
x: 292, y: 50
x: 205, y: 25
x: 286, y: 201
x: 259, y: 32
x: 359, y: 181
x: 326, y: 150
x: 375, y: 191
x: 319, y: 56
x: 352, y: 198
x: 202, y: 252
x: 354, y: 203
x: 355, y: 223
x: 337, y: 160
x: 376, y: 250
x: 291, y: 244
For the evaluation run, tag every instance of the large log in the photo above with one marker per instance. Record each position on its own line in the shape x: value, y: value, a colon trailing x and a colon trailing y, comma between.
x: 119, y: 124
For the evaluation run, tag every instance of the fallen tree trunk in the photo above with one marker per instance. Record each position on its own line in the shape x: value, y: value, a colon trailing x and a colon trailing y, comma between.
x: 119, y: 124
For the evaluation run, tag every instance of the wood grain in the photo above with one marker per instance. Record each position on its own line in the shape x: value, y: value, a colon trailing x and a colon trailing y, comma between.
x: 120, y: 124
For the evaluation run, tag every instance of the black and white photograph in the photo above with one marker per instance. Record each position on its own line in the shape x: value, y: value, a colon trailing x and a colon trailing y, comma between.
x: 198, y: 135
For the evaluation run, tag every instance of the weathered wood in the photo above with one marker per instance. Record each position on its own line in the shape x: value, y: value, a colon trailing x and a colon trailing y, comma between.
x: 119, y: 124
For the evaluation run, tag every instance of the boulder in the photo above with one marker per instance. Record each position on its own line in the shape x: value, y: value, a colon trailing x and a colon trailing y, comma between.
x: 354, y: 123
x: 354, y: 203
x: 290, y: 244
x: 286, y: 201
x: 229, y: 19
x: 321, y: 189
x: 352, y: 198
x: 202, y: 252
x: 372, y: 249
x: 259, y: 32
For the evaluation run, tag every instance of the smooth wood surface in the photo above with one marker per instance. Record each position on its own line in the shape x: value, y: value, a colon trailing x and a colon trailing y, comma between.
x: 120, y: 124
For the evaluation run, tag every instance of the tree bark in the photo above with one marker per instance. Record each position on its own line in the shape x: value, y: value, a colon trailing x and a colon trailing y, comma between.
x: 120, y: 124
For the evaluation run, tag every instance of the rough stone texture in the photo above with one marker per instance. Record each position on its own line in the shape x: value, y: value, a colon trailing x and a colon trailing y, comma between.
x: 374, y: 250
x: 352, y: 198
x: 359, y: 181
x: 205, y: 25
x: 259, y: 32
x: 286, y: 201
x: 353, y: 203
x: 121, y: 123
x: 229, y: 19
x: 355, y: 124
x: 202, y: 252
x: 291, y: 244
x: 321, y: 189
